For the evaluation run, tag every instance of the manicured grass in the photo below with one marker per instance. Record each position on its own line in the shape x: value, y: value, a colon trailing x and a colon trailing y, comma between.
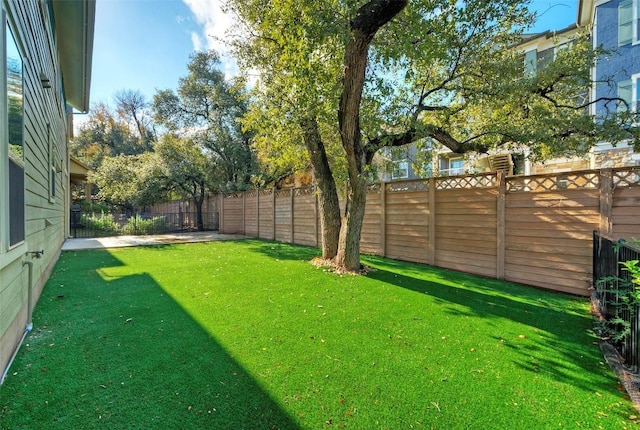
x: 249, y: 335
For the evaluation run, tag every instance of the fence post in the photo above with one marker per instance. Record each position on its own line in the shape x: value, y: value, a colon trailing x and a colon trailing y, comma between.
x: 273, y: 198
x: 291, y: 198
x: 606, y: 202
x: 244, y: 218
x: 432, y: 221
x: 383, y: 218
x: 221, y: 214
x: 501, y: 224
x: 258, y: 213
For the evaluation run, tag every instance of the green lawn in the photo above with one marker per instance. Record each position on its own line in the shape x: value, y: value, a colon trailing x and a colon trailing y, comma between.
x: 249, y: 335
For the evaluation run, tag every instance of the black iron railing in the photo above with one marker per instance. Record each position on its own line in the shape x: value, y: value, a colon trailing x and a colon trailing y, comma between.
x: 615, y: 296
x: 86, y: 225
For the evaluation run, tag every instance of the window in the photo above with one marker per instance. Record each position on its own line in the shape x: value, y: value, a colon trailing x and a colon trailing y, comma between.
x: 14, y: 136
x: 400, y: 170
x: 628, y: 17
x: 452, y: 166
x: 629, y: 91
x: 545, y: 57
x: 625, y: 93
x: 457, y: 166
x: 530, y: 62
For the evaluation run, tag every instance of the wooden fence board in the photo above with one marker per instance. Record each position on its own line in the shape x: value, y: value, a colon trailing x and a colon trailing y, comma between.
x: 283, y: 218
x: 304, y: 223
x: 626, y: 213
x: 266, y: 220
x: 466, y: 224
x: 233, y: 215
x: 406, y: 225
x: 251, y: 214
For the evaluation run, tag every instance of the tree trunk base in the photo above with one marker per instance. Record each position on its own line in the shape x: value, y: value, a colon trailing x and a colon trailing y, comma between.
x: 333, y: 267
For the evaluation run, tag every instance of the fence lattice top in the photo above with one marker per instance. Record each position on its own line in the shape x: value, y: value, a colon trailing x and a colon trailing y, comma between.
x: 559, y: 181
x: 627, y: 178
x: 398, y: 187
x: 589, y: 179
x: 460, y: 182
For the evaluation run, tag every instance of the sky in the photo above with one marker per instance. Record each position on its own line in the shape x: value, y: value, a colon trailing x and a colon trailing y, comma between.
x: 145, y: 45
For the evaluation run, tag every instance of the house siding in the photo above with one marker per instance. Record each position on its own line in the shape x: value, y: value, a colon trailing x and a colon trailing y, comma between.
x: 622, y: 62
x: 45, y: 127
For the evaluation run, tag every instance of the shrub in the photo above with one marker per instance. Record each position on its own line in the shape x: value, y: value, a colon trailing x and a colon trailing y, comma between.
x: 140, y: 225
x: 102, y: 223
x: 624, y: 299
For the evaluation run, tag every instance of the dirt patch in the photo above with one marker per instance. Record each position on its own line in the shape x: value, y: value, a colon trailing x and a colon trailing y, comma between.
x: 329, y: 266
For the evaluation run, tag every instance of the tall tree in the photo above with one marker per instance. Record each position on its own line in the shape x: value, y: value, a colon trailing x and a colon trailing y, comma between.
x: 185, y: 169
x: 124, y: 181
x: 106, y: 133
x: 393, y: 72
x: 132, y: 106
x: 207, y: 108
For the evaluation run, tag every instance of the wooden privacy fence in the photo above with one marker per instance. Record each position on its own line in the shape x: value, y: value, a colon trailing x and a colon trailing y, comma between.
x: 535, y: 230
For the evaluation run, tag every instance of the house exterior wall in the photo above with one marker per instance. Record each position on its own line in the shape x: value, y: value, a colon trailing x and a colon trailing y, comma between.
x: 45, y: 159
x: 619, y: 65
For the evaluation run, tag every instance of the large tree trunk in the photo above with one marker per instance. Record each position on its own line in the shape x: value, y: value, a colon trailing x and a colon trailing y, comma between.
x: 368, y: 20
x: 326, y: 187
x: 348, y: 257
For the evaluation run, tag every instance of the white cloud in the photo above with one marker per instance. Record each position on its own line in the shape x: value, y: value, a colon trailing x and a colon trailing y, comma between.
x: 214, y: 22
x: 214, y: 25
x: 197, y: 42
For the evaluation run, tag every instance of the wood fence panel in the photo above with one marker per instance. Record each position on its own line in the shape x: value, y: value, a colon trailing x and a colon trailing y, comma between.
x: 304, y: 220
x: 370, y: 240
x: 251, y: 213
x: 407, y: 221
x: 265, y: 219
x: 466, y: 230
x: 549, y: 238
x: 283, y: 216
x: 233, y: 222
x: 626, y: 206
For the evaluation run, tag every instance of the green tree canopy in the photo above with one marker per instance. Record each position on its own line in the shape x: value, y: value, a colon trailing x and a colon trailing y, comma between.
x: 177, y: 168
x: 207, y: 109
x: 107, y: 133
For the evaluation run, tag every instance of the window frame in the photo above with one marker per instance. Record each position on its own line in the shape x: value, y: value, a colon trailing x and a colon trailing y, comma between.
x: 10, y: 252
x: 449, y: 170
x: 400, y: 165
x: 633, y: 22
x: 531, y: 62
x: 634, y: 91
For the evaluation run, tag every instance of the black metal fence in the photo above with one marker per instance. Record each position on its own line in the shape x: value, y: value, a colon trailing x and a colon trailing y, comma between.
x: 614, y: 295
x: 87, y: 225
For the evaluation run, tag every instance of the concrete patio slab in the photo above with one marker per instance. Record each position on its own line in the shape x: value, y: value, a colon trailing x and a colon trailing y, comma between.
x: 123, y: 241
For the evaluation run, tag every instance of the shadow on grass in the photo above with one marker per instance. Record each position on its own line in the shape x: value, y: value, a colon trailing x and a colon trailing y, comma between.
x: 138, y: 362
x: 282, y: 251
x: 559, y: 343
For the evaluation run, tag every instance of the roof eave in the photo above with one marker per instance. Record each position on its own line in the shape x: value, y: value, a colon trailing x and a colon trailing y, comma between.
x: 74, y: 28
x: 585, y: 13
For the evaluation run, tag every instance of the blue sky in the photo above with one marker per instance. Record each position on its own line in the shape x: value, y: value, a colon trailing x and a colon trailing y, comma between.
x: 145, y: 44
